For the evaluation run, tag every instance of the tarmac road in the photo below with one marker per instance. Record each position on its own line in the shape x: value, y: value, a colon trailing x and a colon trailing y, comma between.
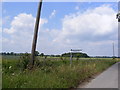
x: 107, y: 79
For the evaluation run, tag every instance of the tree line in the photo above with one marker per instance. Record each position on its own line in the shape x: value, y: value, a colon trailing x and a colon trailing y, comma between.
x: 19, y: 54
x: 78, y: 55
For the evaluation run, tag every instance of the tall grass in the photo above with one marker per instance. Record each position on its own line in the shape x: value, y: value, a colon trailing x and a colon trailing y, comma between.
x: 52, y: 73
x: 0, y: 72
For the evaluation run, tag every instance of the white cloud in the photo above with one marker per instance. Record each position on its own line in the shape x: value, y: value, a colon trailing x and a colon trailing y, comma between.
x: 0, y: 24
x: 93, y: 31
x: 0, y: 33
x: 98, y: 23
x: 97, y: 26
x: 19, y: 36
x: 5, y: 19
x: 43, y: 21
x: 23, y: 23
x: 52, y: 14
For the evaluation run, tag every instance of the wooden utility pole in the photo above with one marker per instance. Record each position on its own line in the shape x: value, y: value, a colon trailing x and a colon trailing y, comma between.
x: 35, y: 35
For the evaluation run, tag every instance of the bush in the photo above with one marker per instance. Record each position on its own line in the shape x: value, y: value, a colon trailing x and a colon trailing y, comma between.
x: 24, y: 61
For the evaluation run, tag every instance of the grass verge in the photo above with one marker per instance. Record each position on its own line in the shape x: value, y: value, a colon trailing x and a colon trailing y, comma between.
x: 52, y: 74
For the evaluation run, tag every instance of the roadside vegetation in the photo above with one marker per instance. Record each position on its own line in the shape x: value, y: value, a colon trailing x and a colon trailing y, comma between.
x: 0, y: 72
x: 50, y: 72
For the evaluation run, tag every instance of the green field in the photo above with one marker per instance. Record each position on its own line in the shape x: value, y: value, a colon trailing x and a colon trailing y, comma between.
x: 52, y: 73
x: 0, y: 72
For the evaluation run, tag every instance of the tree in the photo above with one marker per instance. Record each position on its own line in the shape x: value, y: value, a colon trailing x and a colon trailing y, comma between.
x: 75, y: 55
x: 42, y: 54
x: 36, y: 53
x: 12, y: 53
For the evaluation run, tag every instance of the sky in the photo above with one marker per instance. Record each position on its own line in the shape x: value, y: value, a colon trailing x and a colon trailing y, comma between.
x: 90, y: 26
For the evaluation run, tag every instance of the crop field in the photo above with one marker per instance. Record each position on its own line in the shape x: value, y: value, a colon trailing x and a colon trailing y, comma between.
x: 52, y: 72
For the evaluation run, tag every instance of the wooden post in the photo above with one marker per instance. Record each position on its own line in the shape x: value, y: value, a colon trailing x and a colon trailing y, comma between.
x: 35, y: 35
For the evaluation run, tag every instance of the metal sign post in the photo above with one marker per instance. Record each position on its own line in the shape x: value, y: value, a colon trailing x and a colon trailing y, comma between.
x: 71, y: 57
x: 72, y: 51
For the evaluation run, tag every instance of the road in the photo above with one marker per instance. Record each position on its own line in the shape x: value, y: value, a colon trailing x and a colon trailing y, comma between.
x: 107, y: 79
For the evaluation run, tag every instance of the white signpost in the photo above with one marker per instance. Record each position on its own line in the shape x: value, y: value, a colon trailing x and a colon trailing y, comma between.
x: 73, y: 51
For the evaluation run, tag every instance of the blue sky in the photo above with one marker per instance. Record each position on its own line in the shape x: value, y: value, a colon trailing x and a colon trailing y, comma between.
x: 57, y: 18
x: 14, y: 8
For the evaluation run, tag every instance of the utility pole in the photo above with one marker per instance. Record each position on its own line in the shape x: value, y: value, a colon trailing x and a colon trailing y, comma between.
x: 35, y: 35
x: 118, y: 17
